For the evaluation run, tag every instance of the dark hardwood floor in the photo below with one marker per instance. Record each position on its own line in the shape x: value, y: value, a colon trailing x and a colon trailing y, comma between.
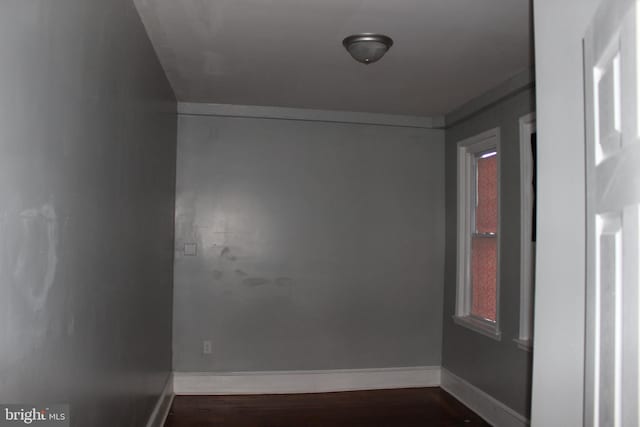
x: 380, y: 408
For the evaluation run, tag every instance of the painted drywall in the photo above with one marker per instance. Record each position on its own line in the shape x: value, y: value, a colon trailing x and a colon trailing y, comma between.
x: 317, y: 245
x: 499, y: 368
x: 87, y: 152
x: 560, y: 270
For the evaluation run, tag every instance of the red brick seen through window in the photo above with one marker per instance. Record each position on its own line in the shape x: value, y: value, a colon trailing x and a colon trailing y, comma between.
x: 484, y: 254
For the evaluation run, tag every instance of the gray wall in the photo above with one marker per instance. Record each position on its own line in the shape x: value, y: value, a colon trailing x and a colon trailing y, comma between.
x: 560, y: 294
x: 87, y: 150
x: 499, y: 368
x: 319, y: 245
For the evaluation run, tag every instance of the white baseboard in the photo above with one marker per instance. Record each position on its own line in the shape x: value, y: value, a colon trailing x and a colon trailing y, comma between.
x: 161, y: 410
x: 493, y: 411
x: 289, y: 382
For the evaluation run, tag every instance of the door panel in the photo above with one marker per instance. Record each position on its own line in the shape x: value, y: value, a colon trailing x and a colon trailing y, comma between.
x: 613, y: 220
x: 608, y: 324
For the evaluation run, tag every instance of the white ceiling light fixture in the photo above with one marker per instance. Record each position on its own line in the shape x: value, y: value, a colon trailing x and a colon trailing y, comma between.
x: 367, y: 47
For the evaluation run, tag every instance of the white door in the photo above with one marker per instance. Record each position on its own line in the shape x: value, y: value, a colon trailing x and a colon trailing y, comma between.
x: 613, y: 219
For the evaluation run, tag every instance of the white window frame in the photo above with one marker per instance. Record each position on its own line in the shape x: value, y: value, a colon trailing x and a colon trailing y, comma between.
x: 527, y: 248
x: 467, y: 151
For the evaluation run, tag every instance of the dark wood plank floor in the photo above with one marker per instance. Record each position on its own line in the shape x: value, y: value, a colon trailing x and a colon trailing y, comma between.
x: 380, y: 408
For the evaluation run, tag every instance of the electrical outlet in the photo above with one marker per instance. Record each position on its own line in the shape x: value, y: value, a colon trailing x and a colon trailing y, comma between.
x: 206, y: 347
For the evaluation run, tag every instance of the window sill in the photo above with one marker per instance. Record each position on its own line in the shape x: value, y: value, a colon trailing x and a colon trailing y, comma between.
x: 526, y: 345
x: 479, y: 326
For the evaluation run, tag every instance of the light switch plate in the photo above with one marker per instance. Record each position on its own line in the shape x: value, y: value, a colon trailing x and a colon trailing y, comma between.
x: 190, y: 249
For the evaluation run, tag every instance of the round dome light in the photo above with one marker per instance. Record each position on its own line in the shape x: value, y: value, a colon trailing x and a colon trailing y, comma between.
x: 367, y: 47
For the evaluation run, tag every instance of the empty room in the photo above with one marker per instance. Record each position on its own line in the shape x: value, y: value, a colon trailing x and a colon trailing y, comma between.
x: 312, y: 213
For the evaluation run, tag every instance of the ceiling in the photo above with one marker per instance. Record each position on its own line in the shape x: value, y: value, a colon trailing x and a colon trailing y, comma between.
x: 289, y: 53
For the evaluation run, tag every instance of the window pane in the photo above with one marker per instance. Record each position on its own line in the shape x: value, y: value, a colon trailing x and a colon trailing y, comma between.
x: 483, y: 277
x: 487, y: 194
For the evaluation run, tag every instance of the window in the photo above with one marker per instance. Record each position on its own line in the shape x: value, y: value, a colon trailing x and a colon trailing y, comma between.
x: 528, y: 151
x: 478, y: 229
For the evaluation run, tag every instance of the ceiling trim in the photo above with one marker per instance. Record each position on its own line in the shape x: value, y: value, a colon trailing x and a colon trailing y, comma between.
x: 521, y: 81
x: 303, y: 114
